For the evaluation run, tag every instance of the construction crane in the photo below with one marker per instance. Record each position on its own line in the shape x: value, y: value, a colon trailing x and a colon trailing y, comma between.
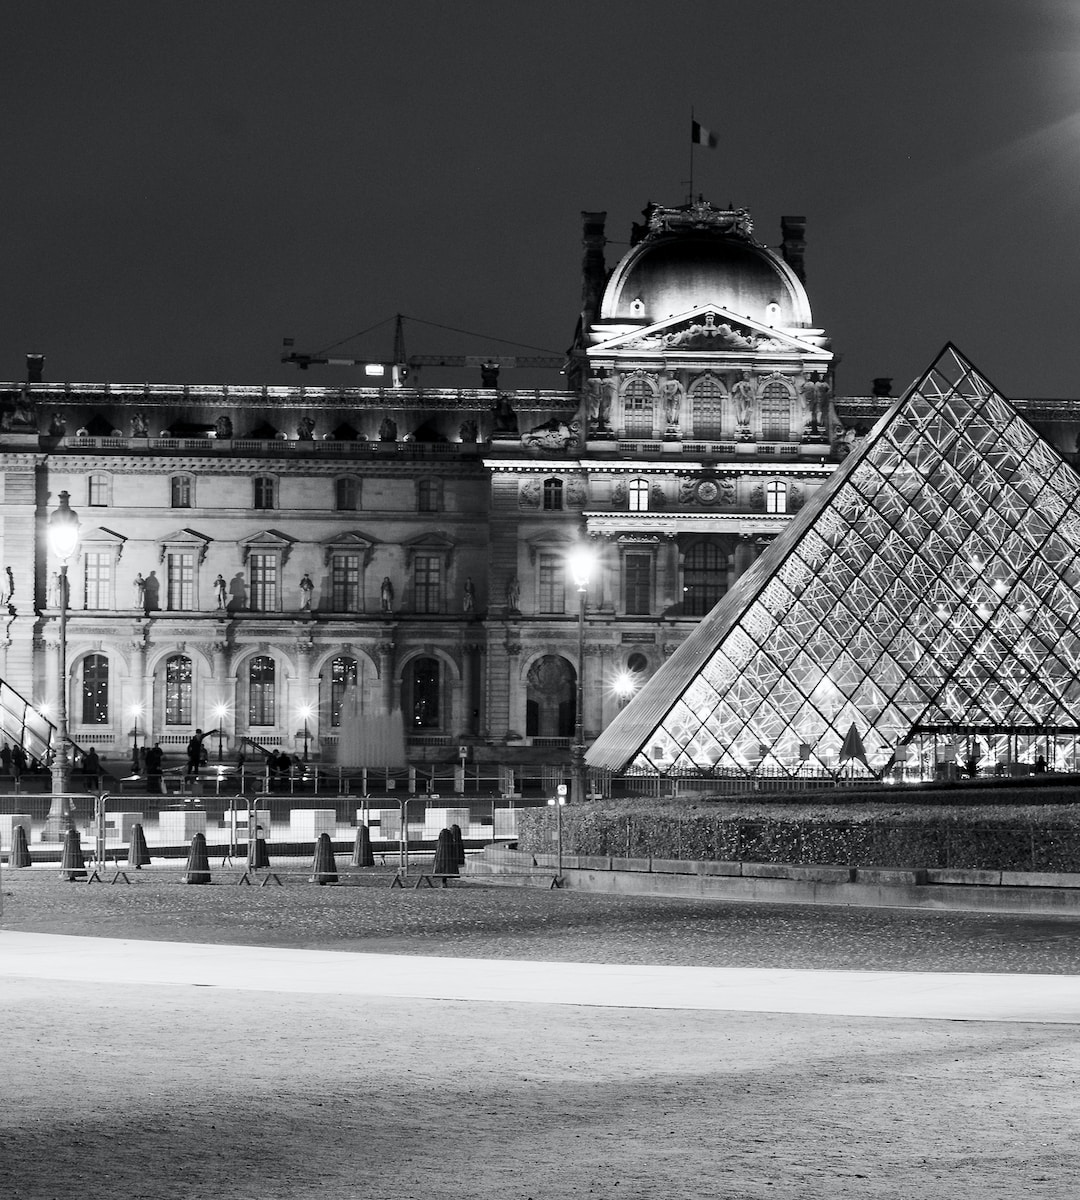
x: 489, y: 365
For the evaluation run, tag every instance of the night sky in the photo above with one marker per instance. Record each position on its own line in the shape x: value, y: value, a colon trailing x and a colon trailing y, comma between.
x: 186, y: 183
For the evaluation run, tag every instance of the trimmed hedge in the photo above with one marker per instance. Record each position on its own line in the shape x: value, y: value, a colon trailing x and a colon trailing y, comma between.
x: 1020, y: 838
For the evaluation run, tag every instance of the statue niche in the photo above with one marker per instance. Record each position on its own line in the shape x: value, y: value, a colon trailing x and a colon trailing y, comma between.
x: 549, y: 698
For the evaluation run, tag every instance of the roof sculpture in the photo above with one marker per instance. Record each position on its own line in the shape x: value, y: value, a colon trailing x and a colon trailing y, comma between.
x: 930, y: 588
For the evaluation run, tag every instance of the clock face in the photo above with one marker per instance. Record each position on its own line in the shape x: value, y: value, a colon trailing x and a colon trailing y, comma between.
x: 707, y: 491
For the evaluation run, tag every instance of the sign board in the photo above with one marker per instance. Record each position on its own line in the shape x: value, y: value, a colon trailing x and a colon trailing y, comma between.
x: 463, y: 751
x: 561, y: 789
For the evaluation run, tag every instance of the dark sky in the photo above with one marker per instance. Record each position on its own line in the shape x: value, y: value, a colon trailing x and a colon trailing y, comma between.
x: 186, y: 183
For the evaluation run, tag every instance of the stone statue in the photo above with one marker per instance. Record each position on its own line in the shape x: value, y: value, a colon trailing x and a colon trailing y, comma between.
x: 306, y: 588
x: 140, y: 592
x: 139, y: 427
x: 671, y: 394
x: 58, y: 425
x: 221, y: 591
x: 223, y: 428
x: 489, y: 374
x: 468, y: 598
x: 55, y: 590
x: 742, y: 395
x: 513, y: 594
x: 506, y: 421
x: 388, y: 430
x: 468, y: 431
x: 386, y: 595
x: 304, y: 429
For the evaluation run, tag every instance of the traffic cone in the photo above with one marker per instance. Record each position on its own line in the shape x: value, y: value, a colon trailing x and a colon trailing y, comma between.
x: 198, y: 864
x: 258, y: 855
x: 138, y: 853
x: 459, y: 844
x: 20, y: 851
x: 323, y: 869
x: 72, y: 863
x: 362, y: 855
x: 445, y: 855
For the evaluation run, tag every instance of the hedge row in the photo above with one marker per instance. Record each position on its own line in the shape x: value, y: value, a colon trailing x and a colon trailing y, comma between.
x: 1046, y: 838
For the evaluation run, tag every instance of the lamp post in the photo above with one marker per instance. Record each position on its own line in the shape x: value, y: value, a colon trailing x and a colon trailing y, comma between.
x: 221, y: 711
x: 63, y: 541
x: 581, y: 561
x: 305, y: 712
x: 136, y: 713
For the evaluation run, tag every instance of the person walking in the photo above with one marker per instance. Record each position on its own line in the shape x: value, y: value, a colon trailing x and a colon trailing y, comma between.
x: 18, y: 761
x: 154, y: 758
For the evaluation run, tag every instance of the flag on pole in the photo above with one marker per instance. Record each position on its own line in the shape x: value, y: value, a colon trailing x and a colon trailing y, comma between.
x: 700, y: 136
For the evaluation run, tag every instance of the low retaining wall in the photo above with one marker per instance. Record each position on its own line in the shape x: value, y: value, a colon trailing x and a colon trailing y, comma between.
x: 887, y: 887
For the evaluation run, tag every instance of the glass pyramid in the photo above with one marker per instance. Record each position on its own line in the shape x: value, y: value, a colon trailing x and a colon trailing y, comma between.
x: 928, y: 596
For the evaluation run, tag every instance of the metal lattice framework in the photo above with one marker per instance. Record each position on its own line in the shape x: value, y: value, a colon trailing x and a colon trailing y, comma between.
x: 931, y: 590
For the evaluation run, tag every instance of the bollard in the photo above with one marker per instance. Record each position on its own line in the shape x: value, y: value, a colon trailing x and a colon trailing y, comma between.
x: 138, y: 852
x: 198, y: 864
x: 459, y: 844
x: 323, y: 869
x: 362, y: 855
x: 445, y: 855
x: 20, y: 851
x: 72, y: 863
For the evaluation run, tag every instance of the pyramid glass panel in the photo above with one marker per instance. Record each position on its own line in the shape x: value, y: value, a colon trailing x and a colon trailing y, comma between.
x: 929, y: 594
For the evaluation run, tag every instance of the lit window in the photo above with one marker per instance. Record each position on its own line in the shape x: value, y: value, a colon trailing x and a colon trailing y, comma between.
x: 264, y: 582
x: 343, y: 675
x: 98, y: 491
x: 423, y: 699
x: 553, y: 493
x: 427, y: 583
x: 95, y: 690
x: 180, y: 491
x: 178, y: 690
x: 551, y: 583
x: 776, y: 498
x: 265, y: 492
x: 99, y: 579
x: 638, y: 403
x: 180, y: 581
x: 706, y: 407
x: 262, y: 699
x: 639, y: 495
x: 347, y: 494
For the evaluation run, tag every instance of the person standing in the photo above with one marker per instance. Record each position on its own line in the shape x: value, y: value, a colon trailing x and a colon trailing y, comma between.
x: 18, y: 761
x: 194, y: 752
x: 154, y: 758
x: 92, y: 769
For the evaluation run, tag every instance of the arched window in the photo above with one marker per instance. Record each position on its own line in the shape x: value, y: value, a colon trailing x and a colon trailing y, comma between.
x: 553, y: 493
x: 262, y: 698
x: 638, y: 493
x: 705, y: 575
x: 637, y: 401
x: 550, y: 697
x: 347, y: 494
x: 706, y: 407
x: 95, y: 690
x: 775, y: 412
x: 776, y: 497
x: 178, y: 690
x: 424, y: 684
x: 343, y: 675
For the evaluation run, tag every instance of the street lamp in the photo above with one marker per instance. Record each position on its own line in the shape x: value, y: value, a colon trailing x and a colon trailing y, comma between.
x: 221, y: 711
x: 136, y: 713
x: 63, y: 541
x: 581, y: 561
x: 305, y: 712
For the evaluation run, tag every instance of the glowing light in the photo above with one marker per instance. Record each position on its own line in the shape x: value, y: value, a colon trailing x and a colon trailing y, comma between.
x: 581, y: 561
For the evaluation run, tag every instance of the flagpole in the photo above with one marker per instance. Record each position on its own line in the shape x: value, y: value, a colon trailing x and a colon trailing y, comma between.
x: 690, y: 198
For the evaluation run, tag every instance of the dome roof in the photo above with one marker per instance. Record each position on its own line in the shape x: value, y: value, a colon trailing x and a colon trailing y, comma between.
x: 682, y: 270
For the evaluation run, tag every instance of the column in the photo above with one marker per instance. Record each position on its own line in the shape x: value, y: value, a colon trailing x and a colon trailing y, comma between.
x: 386, y: 655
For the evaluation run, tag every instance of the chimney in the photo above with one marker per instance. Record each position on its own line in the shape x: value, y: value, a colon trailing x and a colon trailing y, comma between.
x: 882, y: 387
x: 593, y: 267
x: 35, y: 366
x: 793, y: 247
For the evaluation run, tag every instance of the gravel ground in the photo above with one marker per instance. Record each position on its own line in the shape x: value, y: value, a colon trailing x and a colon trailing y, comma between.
x: 472, y: 920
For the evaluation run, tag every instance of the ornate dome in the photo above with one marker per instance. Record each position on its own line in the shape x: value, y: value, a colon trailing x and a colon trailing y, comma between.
x: 700, y: 255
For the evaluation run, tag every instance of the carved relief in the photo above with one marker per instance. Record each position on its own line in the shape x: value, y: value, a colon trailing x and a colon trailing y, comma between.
x: 658, y: 497
x: 757, y: 497
x: 576, y: 493
x: 529, y: 493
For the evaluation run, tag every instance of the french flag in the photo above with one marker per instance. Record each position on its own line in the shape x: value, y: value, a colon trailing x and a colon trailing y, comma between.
x: 701, y: 136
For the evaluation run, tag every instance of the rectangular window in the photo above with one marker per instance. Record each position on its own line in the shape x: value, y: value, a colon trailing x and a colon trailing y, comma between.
x: 551, y: 579
x: 264, y: 492
x: 180, y: 491
x: 347, y: 494
x: 99, y: 580
x: 345, y: 583
x: 264, y: 582
x: 428, y: 495
x: 427, y: 583
x: 98, y: 493
x: 637, y: 573
x: 181, y: 582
